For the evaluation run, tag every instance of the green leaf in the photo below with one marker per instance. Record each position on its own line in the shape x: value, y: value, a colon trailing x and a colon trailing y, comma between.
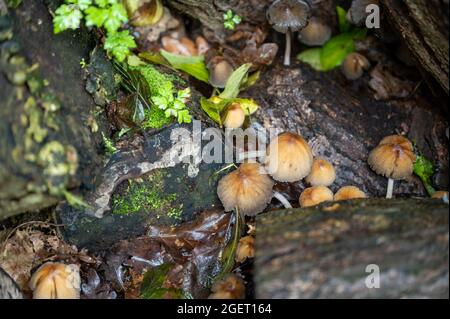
x: 358, y: 33
x: 117, y: 15
x: 248, y: 105
x: 119, y: 44
x: 336, y: 50
x: 233, y: 85
x: 96, y: 17
x: 312, y: 57
x: 104, y: 3
x: 155, y: 58
x: 213, y: 109
x: 67, y: 17
x: 344, y: 25
x: 184, y: 117
x: 192, y: 65
x: 152, y: 286
x: 424, y: 168
x: 82, y: 4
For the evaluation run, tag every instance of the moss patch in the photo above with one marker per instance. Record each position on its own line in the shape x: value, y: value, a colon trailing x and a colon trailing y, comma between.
x: 147, y: 196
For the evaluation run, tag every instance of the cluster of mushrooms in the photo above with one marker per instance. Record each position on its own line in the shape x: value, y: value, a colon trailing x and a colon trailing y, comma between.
x: 288, y: 16
x: 249, y: 189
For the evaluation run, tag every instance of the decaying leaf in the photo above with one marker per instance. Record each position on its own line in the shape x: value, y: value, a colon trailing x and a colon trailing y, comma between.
x: 172, y: 262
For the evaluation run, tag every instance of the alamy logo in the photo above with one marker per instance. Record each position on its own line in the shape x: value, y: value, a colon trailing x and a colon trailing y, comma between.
x: 373, y: 17
x: 373, y: 279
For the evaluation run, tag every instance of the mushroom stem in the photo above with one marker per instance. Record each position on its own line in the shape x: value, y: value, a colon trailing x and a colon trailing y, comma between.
x: 287, y: 52
x: 282, y: 200
x: 390, y: 188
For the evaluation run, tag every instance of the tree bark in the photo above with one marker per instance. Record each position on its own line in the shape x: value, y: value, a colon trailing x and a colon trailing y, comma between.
x: 325, y: 252
x: 27, y: 127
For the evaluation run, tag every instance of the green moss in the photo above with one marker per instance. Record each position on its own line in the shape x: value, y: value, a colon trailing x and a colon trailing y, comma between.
x: 156, y: 118
x: 147, y: 196
x: 159, y: 84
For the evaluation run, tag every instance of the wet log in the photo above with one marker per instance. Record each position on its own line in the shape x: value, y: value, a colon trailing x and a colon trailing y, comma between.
x: 423, y: 26
x: 333, y: 250
x: 44, y: 108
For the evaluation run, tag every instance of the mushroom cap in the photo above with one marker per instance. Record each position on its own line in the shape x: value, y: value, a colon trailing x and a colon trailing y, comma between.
x: 354, y: 65
x: 289, y: 158
x: 245, y: 249
x: 231, y: 287
x: 393, y: 158
x: 322, y: 173
x: 315, y: 33
x: 248, y: 188
x: 440, y: 195
x: 315, y: 195
x: 56, y: 281
x: 349, y: 192
x: 288, y: 14
x: 234, y: 117
x: 220, y: 71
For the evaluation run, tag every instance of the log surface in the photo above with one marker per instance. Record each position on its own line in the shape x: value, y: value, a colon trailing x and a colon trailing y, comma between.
x: 323, y: 252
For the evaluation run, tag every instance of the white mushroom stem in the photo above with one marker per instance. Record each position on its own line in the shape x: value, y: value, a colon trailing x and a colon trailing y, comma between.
x: 390, y: 188
x: 287, y: 52
x: 282, y: 200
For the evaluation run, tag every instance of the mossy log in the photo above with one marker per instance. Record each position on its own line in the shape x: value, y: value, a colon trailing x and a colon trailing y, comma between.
x: 325, y: 251
x: 44, y: 111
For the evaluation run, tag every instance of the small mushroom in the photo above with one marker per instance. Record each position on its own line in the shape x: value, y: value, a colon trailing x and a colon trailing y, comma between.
x: 220, y: 70
x: 315, y: 195
x: 349, y: 192
x: 184, y: 47
x: 354, y: 66
x: 231, y: 287
x: 393, y: 158
x: 202, y: 45
x: 144, y: 12
x: 248, y: 189
x: 287, y: 16
x: 245, y: 249
x: 56, y: 281
x: 316, y: 33
x: 289, y: 158
x: 322, y: 173
x: 442, y: 195
x: 234, y: 116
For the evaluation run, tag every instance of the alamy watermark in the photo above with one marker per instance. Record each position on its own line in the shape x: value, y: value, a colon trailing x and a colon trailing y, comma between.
x: 373, y: 279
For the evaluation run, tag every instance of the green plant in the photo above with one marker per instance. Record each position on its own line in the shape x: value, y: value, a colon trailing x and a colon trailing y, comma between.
x: 424, y: 169
x: 174, y: 105
x: 333, y: 53
x: 106, y: 14
x: 108, y: 145
x: 231, y: 20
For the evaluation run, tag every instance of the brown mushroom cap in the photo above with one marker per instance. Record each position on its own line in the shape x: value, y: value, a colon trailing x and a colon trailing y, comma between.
x: 440, y: 195
x: 315, y: 195
x: 56, y: 281
x: 231, y: 287
x: 354, y: 65
x: 289, y: 158
x: 234, y: 117
x: 220, y: 71
x: 393, y: 158
x: 349, y: 192
x: 322, y: 173
x: 245, y: 249
x: 288, y: 14
x: 315, y: 33
x: 248, y: 188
